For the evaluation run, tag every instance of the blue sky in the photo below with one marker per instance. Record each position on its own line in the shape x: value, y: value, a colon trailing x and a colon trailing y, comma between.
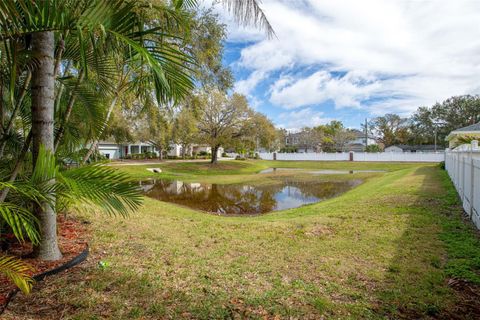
x: 350, y: 59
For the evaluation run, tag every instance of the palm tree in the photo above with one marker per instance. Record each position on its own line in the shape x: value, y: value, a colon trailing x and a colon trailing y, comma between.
x: 99, y: 186
x: 97, y: 25
x: 45, y: 37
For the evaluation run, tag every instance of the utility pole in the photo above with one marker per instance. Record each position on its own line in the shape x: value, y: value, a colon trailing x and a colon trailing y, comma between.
x: 366, y: 132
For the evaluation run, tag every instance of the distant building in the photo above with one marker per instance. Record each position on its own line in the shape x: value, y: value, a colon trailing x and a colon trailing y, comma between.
x: 297, y: 140
x: 112, y: 150
x: 469, y: 131
x: 414, y: 148
x: 360, y: 142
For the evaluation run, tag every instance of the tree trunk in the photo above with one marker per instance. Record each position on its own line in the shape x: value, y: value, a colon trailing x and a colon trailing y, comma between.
x: 183, y: 152
x: 214, y: 154
x: 95, y: 143
x: 68, y: 111
x: 43, y: 100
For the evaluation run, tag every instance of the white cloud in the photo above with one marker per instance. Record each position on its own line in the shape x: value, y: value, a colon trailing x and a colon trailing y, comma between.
x: 297, y: 119
x: 247, y: 85
x: 347, y: 91
x: 407, y: 53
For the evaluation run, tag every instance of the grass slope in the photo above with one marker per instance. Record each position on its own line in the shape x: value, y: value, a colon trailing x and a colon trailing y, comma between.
x: 384, y: 249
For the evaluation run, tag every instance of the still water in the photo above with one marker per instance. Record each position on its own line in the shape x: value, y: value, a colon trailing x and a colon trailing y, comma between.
x: 275, y: 170
x: 245, y: 199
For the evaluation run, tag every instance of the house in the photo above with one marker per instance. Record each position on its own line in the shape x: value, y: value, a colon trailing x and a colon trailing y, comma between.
x: 176, y: 150
x: 113, y: 150
x: 299, y: 140
x: 414, y: 148
x: 360, y: 141
x: 466, y: 132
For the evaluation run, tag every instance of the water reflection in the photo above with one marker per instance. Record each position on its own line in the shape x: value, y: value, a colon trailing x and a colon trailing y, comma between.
x: 274, y: 170
x: 238, y: 199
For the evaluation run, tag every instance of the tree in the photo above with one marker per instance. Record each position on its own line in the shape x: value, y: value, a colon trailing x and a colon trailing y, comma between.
x: 221, y: 119
x: 334, y: 136
x: 373, y: 148
x: 52, y: 49
x: 207, y: 38
x: 391, y: 129
x: 84, y: 22
x: 310, y: 138
x: 439, y: 120
x: 258, y: 132
x: 185, y: 130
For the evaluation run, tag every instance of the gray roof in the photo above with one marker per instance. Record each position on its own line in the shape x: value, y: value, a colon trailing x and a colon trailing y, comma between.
x: 361, y: 134
x: 473, y: 127
x: 422, y: 147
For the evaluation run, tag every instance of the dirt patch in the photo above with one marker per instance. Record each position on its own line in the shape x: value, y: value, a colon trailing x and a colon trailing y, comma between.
x: 467, y: 305
x: 72, y: 240
x: 318, y: 230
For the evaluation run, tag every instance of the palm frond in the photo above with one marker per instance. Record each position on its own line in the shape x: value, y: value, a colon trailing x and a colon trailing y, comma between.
x: 104, y: 187
x: 248, y: 12
x: 20, y: 219
x: 22, y: 222
x: 18, y: 272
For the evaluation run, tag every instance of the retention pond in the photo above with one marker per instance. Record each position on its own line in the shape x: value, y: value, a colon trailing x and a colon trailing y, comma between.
x: 246, y: 199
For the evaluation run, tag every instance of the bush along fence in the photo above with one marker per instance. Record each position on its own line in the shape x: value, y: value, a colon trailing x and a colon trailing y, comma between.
x: 463, y: 167
x: 358, y: 156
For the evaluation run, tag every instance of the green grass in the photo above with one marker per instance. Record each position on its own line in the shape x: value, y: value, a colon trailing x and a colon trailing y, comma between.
x: 382, y: 250
x: 239, y: 171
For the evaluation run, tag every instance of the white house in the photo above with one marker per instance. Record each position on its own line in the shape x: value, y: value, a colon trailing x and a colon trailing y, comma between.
x: 113, y: 150
x: 176, y: 150
x: 414, y: 148
x: 361, y: 140
x: 393, y: 149
x: 472, y: 131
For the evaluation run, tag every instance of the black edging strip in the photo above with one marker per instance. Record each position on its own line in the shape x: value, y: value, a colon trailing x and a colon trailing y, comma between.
x: 39, y: 277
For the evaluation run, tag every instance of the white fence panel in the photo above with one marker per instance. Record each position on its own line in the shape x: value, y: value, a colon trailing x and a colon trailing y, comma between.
x: 361, y: 156
x: 265, y: 155
x: 463, y: 167
x: 476, y: 192
x: 313, y: 156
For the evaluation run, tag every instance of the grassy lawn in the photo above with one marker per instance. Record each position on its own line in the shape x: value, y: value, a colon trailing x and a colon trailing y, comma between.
x: 385, y: 249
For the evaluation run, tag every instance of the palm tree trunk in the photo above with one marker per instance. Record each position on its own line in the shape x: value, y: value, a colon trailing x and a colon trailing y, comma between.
x: 43, y: 105
x: 95, y: 143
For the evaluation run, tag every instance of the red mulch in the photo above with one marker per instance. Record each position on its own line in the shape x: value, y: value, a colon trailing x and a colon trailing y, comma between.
x: 72, y: 240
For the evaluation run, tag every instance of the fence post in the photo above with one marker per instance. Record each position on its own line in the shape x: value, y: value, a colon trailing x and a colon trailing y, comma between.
x: 472, y: 187
x: 274, y: 156
x: 351, y: 155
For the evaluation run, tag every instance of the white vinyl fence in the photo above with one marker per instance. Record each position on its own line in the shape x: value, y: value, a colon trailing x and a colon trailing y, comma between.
x: 463, y: 166
x: 358, y: 156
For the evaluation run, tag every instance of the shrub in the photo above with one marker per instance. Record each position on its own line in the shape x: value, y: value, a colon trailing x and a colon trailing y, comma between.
x: 150, y: 155
x: 203, y: 153
x: 442, y: 165
x: 373, y: 148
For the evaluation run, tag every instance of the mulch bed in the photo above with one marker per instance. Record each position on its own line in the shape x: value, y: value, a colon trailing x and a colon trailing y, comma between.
x: 72, y: 240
